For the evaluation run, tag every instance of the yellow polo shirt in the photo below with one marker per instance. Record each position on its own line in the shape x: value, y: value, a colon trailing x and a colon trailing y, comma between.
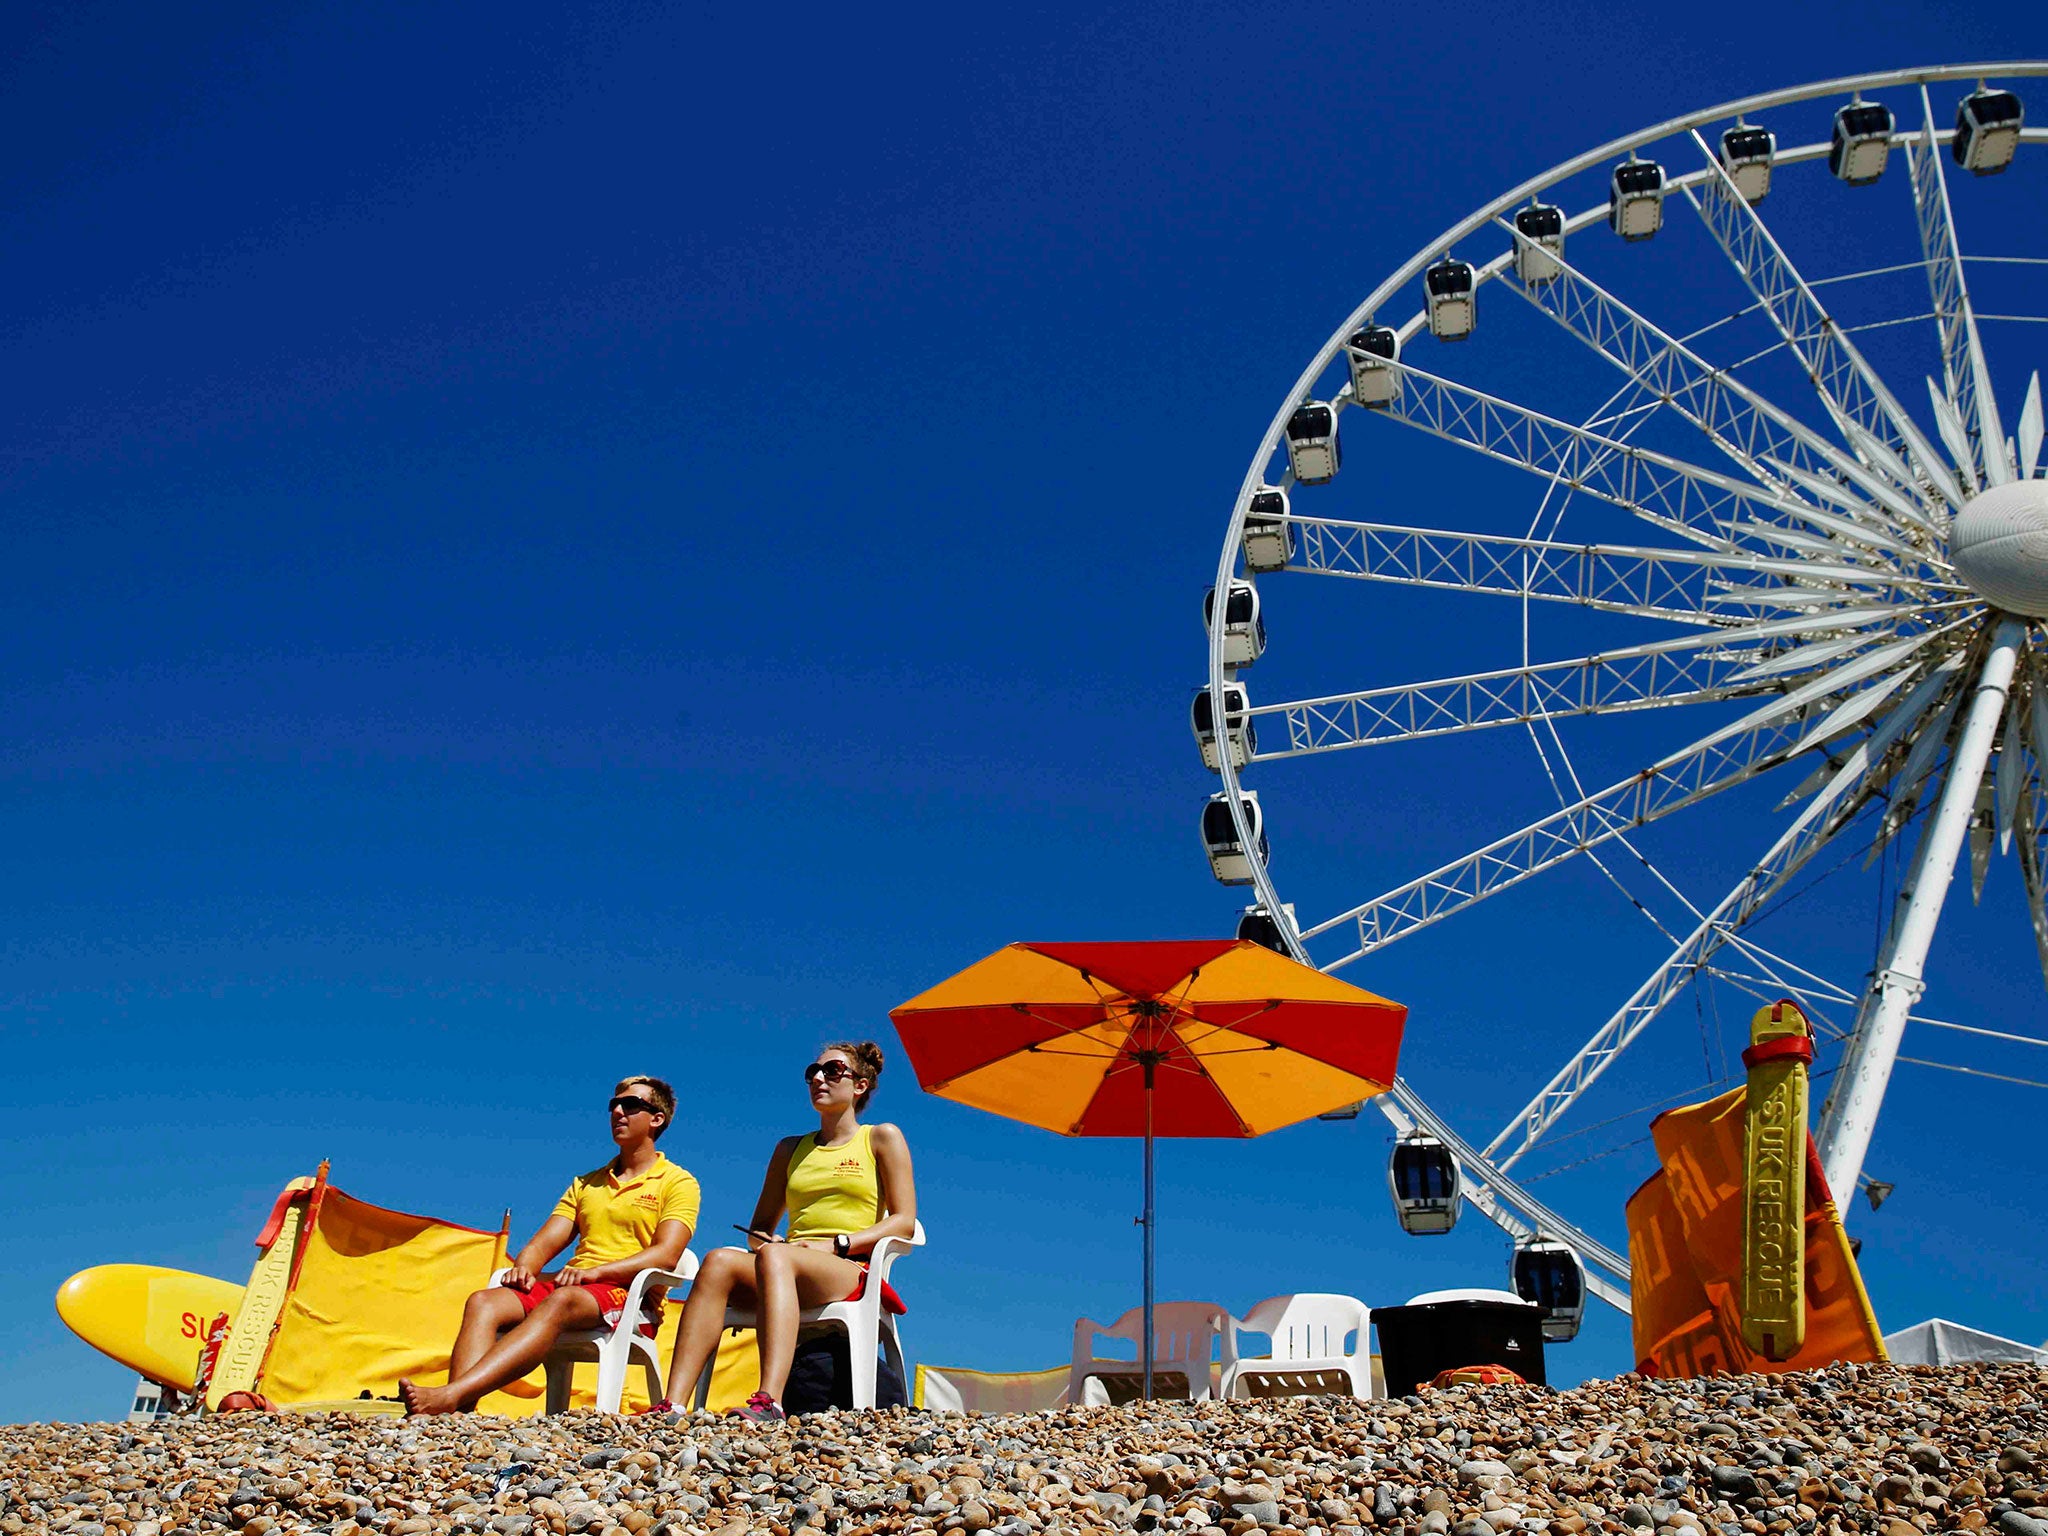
x: 614, y: 1221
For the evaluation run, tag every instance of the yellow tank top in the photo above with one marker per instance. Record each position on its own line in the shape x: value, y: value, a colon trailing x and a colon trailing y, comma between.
x: 833, y: 1189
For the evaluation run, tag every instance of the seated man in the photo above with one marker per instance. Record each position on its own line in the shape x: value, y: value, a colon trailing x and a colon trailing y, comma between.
x: 634, y: 1213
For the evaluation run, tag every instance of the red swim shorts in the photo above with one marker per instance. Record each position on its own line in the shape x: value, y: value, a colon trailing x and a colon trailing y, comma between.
x: 610, y: 1299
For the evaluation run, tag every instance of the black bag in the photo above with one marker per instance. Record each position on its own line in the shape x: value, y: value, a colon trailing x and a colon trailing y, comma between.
x: 821, y: 1376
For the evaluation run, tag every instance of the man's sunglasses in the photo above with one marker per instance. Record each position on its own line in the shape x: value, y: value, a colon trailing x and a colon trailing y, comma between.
x: 633, y: 1104
x: 831, y: 1071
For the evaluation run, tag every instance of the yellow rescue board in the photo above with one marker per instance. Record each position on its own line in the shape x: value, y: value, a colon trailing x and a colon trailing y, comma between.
x: 153, y: 1320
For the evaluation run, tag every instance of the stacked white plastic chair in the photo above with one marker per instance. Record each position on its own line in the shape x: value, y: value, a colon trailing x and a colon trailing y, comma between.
x: 1182, y: 1334
x: 1309, y: 1333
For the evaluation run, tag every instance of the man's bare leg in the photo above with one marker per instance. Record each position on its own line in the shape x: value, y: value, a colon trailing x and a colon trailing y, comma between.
x: 487, y: 1314
x: 727, y: 1276
x: 511, y: 1357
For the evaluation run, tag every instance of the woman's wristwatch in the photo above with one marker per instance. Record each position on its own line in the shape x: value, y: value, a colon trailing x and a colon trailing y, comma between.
x: 842, y: 1245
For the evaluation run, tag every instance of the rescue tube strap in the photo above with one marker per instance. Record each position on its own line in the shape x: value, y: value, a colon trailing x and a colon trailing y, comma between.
x: 1793, y: 1047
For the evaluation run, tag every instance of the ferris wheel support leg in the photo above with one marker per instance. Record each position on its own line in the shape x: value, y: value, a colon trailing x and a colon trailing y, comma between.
x: 1851, y: 1112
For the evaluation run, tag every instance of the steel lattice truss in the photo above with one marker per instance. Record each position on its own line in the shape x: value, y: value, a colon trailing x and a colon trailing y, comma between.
x: 1682, y: 586
x: 1803, y: 558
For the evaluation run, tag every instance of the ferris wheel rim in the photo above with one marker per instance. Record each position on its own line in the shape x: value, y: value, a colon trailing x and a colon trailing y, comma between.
x: 1541, y: 1221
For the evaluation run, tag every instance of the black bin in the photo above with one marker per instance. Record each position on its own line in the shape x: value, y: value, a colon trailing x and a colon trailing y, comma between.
x: 1416, y: 1342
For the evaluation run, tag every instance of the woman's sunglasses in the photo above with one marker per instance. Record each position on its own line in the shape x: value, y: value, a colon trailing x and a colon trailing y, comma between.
x: 831, y: 1071
x: 633, y: 1104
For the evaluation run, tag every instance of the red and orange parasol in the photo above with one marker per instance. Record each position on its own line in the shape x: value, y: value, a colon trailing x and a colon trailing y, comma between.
x: 1196, y: 1037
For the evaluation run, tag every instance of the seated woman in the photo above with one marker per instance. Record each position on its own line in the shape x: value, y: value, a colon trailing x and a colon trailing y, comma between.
x: 846, y: 1186
x: 634, y: 1213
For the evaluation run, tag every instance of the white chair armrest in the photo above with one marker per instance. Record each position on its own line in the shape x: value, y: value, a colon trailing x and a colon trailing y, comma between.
x: 498, y: 1275
x: 883, y: 1256
x: 647, y: 1277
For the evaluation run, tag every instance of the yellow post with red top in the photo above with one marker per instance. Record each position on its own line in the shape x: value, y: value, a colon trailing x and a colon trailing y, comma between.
x: 1774, y: 1182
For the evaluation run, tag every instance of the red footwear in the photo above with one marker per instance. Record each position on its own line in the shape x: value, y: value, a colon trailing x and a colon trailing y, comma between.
x: 664, y: 1406
x: 761, y: 1409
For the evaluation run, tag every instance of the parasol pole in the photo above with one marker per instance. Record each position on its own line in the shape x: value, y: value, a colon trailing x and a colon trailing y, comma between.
x: 1149, y: 1067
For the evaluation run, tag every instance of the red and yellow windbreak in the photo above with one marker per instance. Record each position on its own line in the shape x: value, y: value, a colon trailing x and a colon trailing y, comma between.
x: 1685, y: 1256
x: 1243, y: 1040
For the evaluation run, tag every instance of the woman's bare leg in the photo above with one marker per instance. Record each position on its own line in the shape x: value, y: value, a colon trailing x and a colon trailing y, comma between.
x: 786, y: 1280
x: 485, y: 1315
x: 511, y: 1357
x: 727, y: 1276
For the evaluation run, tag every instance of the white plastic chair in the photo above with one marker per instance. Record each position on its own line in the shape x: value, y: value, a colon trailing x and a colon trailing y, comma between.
x: 1181, y: 1331
x: 868, y: 1327
x: 614, y: 1349
x: 1308, y: 1333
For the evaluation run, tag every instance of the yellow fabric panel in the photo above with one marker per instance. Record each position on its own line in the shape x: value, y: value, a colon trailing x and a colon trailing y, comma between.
x: 1012, y: 973
x: 992, y: 1391
x: 1253, y: 971
x: 614, y: 1221
x: 1695, y: 1223
x: 1269, y: 1089
x: 833, y: 1189
x: 379, y: 1296
x: 1049, y: 1087
x: 735, y: 1376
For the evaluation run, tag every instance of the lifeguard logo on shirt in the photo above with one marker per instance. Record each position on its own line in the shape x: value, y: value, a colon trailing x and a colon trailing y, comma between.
x: 850, y: 1165
x: 649, y: 1202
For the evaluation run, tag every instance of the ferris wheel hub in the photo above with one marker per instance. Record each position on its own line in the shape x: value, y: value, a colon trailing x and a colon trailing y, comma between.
x: 2000, y: 546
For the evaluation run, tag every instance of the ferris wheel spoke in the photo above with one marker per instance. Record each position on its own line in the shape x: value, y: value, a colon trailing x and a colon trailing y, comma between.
x: 1771, y: 446
x: 1610, y: 684
x: 1685, y: 586
x: 1692, y: 670
x: 1811, y: 831
x: 1966, y: 378
x: 1732, y: 755
x: 1855, y: 397
x: 1703, y: 505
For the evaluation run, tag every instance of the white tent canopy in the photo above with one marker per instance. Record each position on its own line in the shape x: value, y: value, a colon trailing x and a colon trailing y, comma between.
x: 1940, y: 1342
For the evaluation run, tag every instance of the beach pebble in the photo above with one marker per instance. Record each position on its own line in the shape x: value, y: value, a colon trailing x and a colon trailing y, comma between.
x: 1875, y: 1450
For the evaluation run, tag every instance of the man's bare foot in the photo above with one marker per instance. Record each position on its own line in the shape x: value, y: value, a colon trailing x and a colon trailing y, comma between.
x: 426, y: 1400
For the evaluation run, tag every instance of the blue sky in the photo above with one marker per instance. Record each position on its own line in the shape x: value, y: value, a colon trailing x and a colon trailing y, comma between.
x: 548, y: 546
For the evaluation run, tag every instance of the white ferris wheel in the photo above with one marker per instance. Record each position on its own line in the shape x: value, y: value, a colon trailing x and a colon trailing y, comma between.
x: 1737, y: 466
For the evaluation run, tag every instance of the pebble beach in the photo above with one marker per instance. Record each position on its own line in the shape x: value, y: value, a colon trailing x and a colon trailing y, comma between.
x: 1887, y: 1449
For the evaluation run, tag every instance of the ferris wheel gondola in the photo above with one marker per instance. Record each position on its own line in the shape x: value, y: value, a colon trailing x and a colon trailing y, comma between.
x: 1635, y: 199
x: 1549, y: 1275
x: 1541, y: 226
x: 1453, y: 309
x: 1422, y: 1176
x: 1862, y: 142
x: 1237, y: 730
x: 1747, y: 154
x: 1367, y: 352
x: 1230, y: 855
x: 1265, y: 928
x: 1268, y: 536
x: 1988, y: 127
x: 1244, y: 629
x: 1313, y: 450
